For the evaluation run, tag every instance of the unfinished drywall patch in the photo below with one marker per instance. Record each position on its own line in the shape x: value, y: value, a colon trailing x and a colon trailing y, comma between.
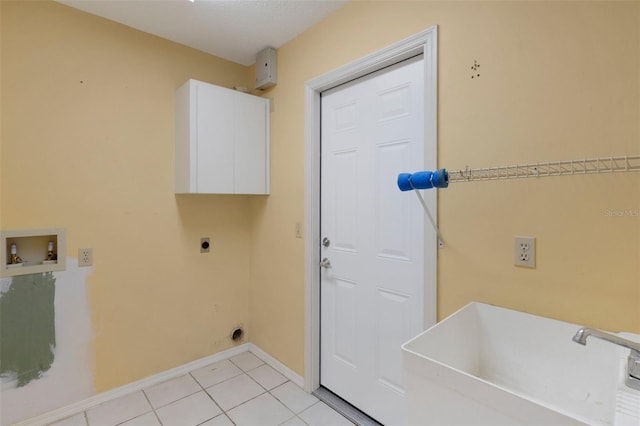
x: 63, y: 374
x: 27, y: 327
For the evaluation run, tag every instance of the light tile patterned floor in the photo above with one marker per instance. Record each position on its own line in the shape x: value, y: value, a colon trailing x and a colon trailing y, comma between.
x: 241, y: 391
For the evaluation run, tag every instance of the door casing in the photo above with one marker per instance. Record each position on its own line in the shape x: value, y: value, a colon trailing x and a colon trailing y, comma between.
x: 424, y: 43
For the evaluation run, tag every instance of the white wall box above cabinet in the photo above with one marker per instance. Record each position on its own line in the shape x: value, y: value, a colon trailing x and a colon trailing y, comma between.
x: 32, y: 251
x: 222, y: 141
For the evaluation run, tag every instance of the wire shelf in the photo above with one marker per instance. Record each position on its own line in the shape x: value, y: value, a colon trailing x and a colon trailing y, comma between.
x: 626, y: 163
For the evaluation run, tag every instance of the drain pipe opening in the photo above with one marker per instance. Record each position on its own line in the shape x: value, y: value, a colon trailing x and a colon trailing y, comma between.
x: 237, y: 334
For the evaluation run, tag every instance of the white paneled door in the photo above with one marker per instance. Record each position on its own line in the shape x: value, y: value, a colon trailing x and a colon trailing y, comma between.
x: 372, y: 279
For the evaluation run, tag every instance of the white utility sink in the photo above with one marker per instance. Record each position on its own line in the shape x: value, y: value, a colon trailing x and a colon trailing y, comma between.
x: 494, y: 366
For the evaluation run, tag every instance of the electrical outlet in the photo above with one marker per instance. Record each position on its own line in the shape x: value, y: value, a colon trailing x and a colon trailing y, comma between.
x: 524, y: 251
x: 85, y: 257
x: 205, y: 245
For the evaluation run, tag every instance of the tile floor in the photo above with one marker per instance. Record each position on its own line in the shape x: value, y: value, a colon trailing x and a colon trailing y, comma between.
x: 241, y: 390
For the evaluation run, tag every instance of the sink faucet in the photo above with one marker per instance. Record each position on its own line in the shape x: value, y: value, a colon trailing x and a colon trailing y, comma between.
x: 633, y: 362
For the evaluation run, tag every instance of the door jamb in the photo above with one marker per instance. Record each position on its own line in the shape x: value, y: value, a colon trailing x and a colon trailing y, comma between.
x: 424, y: 43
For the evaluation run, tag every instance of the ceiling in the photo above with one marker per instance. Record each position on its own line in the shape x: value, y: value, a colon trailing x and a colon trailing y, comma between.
x: 232, y: 29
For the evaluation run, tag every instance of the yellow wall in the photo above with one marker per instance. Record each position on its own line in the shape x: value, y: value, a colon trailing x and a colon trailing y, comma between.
x: 87, y: 144
x: 558, y: 81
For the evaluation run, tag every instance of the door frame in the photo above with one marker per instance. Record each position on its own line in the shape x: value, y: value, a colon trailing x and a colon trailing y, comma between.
x: 424, y: 43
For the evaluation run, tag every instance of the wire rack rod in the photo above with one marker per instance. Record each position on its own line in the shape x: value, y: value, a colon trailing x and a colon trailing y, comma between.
x: 626, y: 163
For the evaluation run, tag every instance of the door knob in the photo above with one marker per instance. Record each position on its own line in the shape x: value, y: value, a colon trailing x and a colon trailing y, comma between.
x: 325, y: 263
x: 326, y: 242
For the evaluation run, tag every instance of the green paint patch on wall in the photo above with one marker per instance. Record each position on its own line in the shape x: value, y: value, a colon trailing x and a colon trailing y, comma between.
x: 27, y: 327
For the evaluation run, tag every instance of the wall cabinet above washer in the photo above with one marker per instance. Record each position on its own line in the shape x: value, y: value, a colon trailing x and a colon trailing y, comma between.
x: 221, y: 141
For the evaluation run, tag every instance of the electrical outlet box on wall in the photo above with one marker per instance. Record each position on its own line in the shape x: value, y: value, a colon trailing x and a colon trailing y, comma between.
x: 524, y: 251
x: 85, y: 256
x: 31, y: 246
x: 266, y: 68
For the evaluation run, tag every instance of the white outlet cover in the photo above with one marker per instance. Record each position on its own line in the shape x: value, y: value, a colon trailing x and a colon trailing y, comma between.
x: 85, y: 256
x: 524, y: 251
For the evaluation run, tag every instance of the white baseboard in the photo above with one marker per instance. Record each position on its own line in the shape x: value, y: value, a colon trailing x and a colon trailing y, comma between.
x: 77, y: 407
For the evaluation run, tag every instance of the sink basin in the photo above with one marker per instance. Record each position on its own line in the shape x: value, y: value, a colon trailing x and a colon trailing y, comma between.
x: 494, y: 366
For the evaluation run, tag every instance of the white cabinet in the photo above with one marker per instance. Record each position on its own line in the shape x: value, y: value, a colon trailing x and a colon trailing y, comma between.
x: 222, y: 141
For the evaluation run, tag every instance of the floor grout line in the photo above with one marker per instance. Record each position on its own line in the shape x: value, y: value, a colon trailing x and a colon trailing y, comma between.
x: 169, y: 403
x: 214, y: 401
x: 153, y: 409
x: 203, y: 389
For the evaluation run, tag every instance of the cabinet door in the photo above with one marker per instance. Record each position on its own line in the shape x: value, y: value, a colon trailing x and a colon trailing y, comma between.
x: 214, y: 115
x: 251, y: 147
